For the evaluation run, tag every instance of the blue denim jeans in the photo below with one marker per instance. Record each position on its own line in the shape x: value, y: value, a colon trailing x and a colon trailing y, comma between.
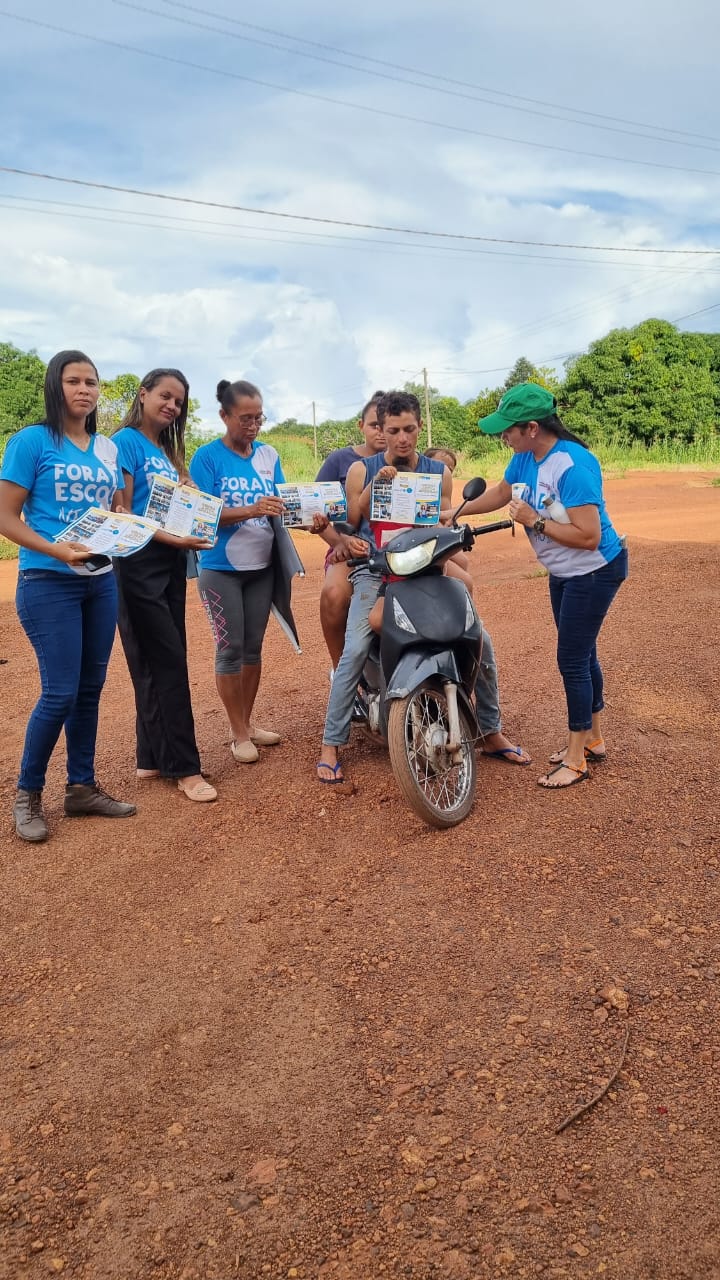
x: 358, y: 638
x: 579, y: 607
x: 70, y: 623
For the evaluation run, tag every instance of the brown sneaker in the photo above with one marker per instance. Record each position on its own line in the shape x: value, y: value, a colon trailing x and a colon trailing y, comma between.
x: 29, y: 818
x: 82, y: 798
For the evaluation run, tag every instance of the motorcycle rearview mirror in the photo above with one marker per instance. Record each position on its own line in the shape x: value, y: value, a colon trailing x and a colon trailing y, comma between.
x: 342, y: 526
x: 474, y: 488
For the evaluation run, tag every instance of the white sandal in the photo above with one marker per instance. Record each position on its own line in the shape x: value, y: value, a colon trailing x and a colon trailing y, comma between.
x: 265, y: 737
x: 244, y: 752
x: 202, y: 792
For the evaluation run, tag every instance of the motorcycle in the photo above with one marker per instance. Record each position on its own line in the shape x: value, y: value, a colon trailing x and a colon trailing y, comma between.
x: 417, y: 684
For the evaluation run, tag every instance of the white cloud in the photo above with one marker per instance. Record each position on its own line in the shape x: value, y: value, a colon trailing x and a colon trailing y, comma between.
x: 332, y: 318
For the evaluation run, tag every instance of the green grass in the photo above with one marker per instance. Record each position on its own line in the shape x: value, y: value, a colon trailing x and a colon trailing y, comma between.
x: 8, y: 550
x: 665, y: 454
x: 491, y: 458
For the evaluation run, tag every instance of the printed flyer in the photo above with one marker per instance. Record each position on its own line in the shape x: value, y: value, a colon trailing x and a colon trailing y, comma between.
x: 411, y: 498
x: 109, y: 533
x: 182, y: 510
x: 303, y: 501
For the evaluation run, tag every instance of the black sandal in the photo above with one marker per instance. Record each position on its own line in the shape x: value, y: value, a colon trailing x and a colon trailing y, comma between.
x: 582, y: 775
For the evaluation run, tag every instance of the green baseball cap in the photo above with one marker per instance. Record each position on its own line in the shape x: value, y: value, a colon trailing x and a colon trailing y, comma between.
x: 526, y: 402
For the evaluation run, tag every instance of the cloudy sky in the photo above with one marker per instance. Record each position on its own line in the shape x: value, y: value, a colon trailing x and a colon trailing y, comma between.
x: 563, y: 124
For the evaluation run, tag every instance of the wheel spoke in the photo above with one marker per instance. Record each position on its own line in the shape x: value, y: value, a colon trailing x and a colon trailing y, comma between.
x: 443, y: 782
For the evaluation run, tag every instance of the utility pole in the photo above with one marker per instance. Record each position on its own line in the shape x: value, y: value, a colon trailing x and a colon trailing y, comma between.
x: 428, y: 417
x: 314, y: 432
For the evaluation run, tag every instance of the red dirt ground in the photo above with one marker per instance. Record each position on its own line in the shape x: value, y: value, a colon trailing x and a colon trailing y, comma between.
x: 299, y: 1034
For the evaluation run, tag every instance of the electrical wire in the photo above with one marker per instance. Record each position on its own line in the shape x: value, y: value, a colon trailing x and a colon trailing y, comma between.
x: 430, y: 75
x: 273, y: 236
x: 701, y: 312
x: 354, y: 106
x: 345, y: 222
x: 574, y: 312
x: 393, y: 77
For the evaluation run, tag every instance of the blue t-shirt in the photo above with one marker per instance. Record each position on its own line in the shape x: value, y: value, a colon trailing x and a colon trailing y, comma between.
x: 142, y: 459
x: 240, y: 482
x: 570, y: 475
x: 63, y: 482
x: 337, y: 464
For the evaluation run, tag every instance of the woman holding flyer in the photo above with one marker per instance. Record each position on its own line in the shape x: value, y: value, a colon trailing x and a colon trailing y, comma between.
x: 554, y: 486
x: 237, y: 575
x: 152, y: 588
x: 52, y: 474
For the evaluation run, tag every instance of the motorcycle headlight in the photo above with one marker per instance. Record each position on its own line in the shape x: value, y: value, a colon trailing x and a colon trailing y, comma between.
x: 403, y: 563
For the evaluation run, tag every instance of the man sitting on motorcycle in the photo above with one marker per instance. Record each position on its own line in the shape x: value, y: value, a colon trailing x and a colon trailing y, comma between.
x: 399, y: 416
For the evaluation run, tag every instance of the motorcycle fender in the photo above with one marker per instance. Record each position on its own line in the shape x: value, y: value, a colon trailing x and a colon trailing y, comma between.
x: 415, y: 667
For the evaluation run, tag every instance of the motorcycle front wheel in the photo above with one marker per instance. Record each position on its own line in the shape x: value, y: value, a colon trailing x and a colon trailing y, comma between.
x: 438, y: 787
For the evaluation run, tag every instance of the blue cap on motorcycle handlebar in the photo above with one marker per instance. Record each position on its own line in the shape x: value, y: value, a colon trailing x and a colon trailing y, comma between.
x: 526, y: 402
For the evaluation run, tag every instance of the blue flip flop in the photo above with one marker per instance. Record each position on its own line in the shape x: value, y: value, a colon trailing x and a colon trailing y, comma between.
x: 504, y: 753
x: 334, y: 769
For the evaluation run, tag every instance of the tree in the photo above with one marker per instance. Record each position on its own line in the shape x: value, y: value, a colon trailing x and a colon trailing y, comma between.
x: 522, y: 371
x: 418, y: 389
x: 546, y: 377
x: 449, y: 422
x: 643, y: 383
x: 193, y: 416
x: 486, y: 402
x: 22, y: 374
x: 116, y: 396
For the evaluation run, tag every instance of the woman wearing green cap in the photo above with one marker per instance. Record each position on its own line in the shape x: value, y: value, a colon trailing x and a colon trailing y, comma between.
x: 554, y: 487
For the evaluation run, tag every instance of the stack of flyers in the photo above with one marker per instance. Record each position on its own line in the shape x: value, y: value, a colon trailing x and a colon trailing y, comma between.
x: 183, y: 510
x: 109, y: 533
x: 303, y: 501
x: 411, y: 498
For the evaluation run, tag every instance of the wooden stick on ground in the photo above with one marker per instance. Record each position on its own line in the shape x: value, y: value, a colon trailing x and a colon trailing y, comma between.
x: 601, y: 1094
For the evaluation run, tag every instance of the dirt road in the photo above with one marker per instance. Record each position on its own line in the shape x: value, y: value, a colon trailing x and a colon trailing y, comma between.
x: 298, y: 1034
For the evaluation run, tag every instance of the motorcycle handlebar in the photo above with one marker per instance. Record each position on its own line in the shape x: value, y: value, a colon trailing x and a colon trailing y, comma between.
x: 354, y: 561
x: 492, y: 528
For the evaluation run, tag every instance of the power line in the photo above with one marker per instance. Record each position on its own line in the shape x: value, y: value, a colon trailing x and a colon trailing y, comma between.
x: 345, y: 222
x: 430, y: 75
x: 392, y: 77
x: 354, y: 106
x: 690, y: 314
x: 502, y: 367
x: 573, y: 313
x: 202, y: 227
x: 356, y: 244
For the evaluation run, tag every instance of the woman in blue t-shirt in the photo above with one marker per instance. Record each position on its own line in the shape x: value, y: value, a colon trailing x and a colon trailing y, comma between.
x: 152, y: 589
x: 236, y: 575
x: 52, y: 473
x: 554, y: 487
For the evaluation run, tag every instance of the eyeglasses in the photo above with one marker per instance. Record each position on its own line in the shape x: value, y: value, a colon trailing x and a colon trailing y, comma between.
x: 248, y: 419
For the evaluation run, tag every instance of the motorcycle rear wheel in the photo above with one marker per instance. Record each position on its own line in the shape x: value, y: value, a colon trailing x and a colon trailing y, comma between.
x: 439, y: 791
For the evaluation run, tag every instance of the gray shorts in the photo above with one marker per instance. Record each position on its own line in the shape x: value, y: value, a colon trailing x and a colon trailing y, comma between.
x: 238, y: 607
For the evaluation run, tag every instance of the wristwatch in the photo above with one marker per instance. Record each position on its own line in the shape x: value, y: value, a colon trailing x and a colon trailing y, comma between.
x: 539, y: 525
